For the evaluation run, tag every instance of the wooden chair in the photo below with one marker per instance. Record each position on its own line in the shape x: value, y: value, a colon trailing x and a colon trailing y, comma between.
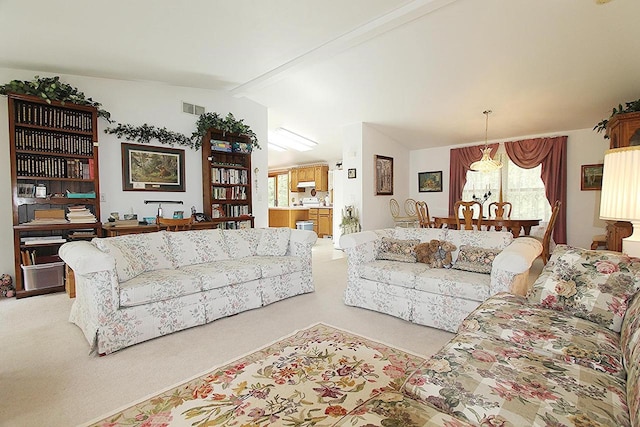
x: 174, y: 224
x: 423, y: 215
x: 467, y: 210
x: 500, y: 210
x: 546, y: 239
x: 401, y: 221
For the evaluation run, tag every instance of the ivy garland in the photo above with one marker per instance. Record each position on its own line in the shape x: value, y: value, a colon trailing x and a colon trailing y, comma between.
x: 52, y: 89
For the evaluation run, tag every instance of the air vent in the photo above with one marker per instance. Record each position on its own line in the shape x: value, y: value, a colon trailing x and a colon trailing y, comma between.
x: 192, y: 109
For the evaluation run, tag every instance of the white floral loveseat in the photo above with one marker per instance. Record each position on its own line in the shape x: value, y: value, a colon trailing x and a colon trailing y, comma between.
x: 436, y: 297
x: 136, y: 287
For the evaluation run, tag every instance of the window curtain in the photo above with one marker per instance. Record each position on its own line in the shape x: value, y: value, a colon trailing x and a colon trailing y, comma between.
x: 460, y: 160
x: 552, y: 154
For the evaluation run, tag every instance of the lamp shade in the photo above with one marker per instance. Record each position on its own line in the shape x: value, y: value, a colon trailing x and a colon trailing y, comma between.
x: 620, y: 198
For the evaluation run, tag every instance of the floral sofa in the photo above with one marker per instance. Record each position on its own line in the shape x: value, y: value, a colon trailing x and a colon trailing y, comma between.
x: 136, y: 287
x: 398, y: 285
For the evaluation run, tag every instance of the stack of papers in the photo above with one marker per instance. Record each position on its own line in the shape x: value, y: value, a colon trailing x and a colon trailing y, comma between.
x: 80, y: 214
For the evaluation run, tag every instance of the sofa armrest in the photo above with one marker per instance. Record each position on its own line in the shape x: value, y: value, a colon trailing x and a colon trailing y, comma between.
x: 511, y: 266
x: 85, y: 258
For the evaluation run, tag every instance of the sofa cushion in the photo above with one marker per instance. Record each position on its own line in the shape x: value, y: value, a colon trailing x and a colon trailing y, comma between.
x: 422, y: 234
x: 481, y: 239
x: 392, y: 272
x: 488, y: 381
x: 273, y: 266
x: 136, y: 253
x: 157, y: 285
x: 197, y: 246
x: 454, y: 283
x: 223, y: 273
x: 242, y: 243
x: 476, y: 259
x: 547, y: 332
x: 273, y: 241
x: 593, y: 285
x: 397, y: 249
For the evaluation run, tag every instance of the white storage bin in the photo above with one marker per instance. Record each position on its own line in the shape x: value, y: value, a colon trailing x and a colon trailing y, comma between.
x: 41, y: 276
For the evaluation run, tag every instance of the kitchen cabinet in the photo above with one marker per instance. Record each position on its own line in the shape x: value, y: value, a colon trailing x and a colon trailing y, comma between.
x: 284, y: 217
x: 318, y: 174
x: 321, y: 177
x: 322, y: 219
x: 293, y: 181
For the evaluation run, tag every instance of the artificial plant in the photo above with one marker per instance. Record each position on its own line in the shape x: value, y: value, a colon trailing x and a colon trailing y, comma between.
x: 630, y: 107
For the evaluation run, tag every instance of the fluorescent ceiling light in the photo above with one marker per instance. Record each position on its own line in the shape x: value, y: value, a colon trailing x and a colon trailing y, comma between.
x: 284, y: 138
x: 275, y: 147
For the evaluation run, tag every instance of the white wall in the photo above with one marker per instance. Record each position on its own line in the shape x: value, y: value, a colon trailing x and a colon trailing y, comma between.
x: 137, y: 103
x: 584, y: 146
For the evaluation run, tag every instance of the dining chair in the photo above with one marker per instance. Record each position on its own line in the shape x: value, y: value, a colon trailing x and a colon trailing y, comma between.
x: 423, y: 215
x: 401, y: 221
x: 500, y: 210
x: 546, y: 239
x: 174, y: 224
x: 468, y: 210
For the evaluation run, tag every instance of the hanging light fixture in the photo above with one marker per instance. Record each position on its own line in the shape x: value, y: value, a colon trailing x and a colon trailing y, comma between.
x: 486, y: 163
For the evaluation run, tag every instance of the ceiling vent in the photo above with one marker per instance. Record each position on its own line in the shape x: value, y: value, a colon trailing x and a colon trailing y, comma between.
x: 198, y: 110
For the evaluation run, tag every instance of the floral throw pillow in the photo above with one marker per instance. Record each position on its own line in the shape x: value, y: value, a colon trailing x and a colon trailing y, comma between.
x: 397, y: 250
x: 593, y: 285
x: 473, y: 258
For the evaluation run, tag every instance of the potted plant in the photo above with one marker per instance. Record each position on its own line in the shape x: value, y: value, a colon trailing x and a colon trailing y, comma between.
x: 630, y: 107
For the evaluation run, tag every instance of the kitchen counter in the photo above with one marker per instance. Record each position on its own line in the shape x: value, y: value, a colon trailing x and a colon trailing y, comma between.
x: 287, y: 216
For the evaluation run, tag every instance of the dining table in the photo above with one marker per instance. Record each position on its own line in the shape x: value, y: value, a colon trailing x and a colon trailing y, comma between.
x: 512, y: 224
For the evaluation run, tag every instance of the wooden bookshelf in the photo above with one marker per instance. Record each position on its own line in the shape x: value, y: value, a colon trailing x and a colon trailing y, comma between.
x: 54, y: 165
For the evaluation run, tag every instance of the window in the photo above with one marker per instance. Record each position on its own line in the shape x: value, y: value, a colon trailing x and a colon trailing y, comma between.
x: 278, y: 186
x: 522, y: 187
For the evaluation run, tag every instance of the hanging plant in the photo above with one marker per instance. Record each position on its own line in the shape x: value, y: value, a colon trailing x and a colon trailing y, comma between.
x: 52, y: 89
x: 145, y: 133
x: 630, y: 107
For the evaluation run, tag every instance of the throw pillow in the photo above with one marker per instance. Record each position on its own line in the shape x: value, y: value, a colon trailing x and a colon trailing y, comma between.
x: 593, y: 285
x: 274, y: 242
x: 473, y: 258
x: 397, y: 250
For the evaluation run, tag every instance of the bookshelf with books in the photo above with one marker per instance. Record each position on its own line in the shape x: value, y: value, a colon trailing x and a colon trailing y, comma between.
x: 226, y: 179
x: 55, y: 182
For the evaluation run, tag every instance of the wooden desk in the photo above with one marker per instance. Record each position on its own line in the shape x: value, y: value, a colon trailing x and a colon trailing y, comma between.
x: 110, y: 231
x: 512, y: 224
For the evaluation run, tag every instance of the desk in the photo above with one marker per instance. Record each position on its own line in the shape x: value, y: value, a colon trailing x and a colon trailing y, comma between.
x: 111, y: 231
x: 512, y: 224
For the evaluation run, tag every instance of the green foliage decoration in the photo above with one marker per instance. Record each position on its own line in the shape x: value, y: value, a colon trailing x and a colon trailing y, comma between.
x: 52, y: 89
x: 226, y: 124
x: 629, y: 107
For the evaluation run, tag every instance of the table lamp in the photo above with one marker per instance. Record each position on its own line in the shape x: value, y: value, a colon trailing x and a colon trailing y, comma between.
x: 620, y: 197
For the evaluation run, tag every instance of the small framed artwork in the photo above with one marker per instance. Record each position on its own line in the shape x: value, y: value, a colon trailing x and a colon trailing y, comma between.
x: 351, y: 173
x: 591, y: 177
x: 430, y: 182
x: 146, y: 168
x: 384, y: 175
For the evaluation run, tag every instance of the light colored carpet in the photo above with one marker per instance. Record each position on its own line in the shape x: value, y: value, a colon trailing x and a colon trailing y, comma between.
x: 48, y: 378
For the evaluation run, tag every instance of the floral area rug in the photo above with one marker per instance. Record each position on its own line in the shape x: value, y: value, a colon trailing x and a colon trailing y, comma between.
x: 313, y: 377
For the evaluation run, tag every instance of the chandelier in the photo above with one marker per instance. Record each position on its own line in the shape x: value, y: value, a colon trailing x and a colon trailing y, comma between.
x: 486, y: 163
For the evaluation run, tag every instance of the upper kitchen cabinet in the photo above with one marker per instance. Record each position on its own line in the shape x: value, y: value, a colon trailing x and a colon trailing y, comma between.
x: 300, y: 178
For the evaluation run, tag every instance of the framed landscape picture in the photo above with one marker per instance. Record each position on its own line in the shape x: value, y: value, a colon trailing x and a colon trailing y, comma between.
x: 384, y: 175
x: 146, y: 168
x: 591, y: 177
x: 430, y: 182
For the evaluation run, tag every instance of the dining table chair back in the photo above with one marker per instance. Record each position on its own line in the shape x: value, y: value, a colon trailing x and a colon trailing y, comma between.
x: 402, y: 221
x: 410, y: 208
x: 174, y: 224
x: 423, y: 215
x: 468, y: 210
x: 500, y: 210
x: 546, y: 239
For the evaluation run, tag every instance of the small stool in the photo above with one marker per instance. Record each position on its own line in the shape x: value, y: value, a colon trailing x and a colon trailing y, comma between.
x: 598, y: 241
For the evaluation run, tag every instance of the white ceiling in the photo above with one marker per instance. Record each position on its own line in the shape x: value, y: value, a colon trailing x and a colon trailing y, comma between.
x: 419, y: 71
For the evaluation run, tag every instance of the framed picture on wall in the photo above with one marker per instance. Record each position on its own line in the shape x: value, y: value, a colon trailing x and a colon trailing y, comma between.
x: 384, y: 175
x: 351, y: 173
x: 146, y: 168
x: 430, y: 182
x: 591, y: 177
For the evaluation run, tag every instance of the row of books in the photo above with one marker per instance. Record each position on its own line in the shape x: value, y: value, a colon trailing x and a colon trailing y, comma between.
x: 234, y: 225
x: 53, y: 167
x: 42, y: 240
x: 49, y: 116
x: 80, y: 214
x: 229, y: 176
x: 222, y: 211
x: 53, y: 142
x: 229, y: 193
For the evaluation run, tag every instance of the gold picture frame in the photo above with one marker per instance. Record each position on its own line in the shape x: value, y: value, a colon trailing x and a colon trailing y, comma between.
x: 591, y: 177
x: 384, y: 175
x: 147, y: 168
